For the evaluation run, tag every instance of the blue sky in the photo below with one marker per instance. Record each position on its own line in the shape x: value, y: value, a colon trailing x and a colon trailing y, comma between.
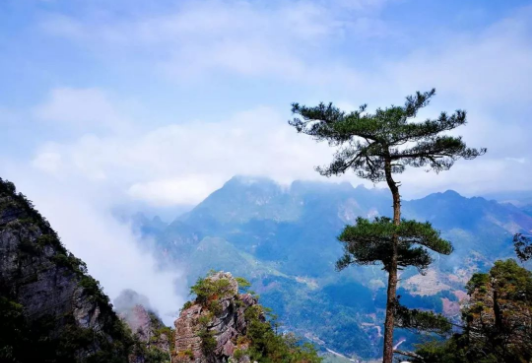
x: 157, y: 103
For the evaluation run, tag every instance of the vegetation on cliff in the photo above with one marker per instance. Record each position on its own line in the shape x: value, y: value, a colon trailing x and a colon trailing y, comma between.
x: 497, y: 320
x: 252, y: 331
x: 36, y: 270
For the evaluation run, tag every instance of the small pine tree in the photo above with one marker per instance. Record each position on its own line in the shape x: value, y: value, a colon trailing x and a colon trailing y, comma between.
x: 376, y: 146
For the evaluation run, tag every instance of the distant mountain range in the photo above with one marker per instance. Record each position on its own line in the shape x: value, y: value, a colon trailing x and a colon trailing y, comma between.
x: 521, y: 199
x: 283, y: 239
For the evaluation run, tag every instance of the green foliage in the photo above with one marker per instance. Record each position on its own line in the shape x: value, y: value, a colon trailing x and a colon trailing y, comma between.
x: 243, y: 284
x: 497, y: 320
x: 523, y: 247
x: 269, y: 346
x: 477, y: 282
x: 70, y: 262
x: 512, y: 281
x: 264, y: 343
x: 209, y: 290
x: 28, y: 248
x: 186, y: 354
x: 419, y: 320
x: 13, y: 330
x: 11, y: 199
x: 238, y: 354
x: 159, y: 329
x: 369, y: 140
x: 155, y: 355
x: 369, y: 243
x: 149, y: 353
x: 208, y: 342
x: 41, y: 341
x: 454, y: 350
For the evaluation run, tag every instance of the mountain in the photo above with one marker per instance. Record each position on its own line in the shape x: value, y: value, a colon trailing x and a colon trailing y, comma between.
x: 51, y: 309
x: 521, y: 199
x: 517, y: 197
x: 283, y: 239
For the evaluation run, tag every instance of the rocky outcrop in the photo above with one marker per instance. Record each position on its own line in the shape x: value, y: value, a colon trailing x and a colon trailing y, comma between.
x: 150, y: 334
x: 60, y: 309
x: 225, y: 325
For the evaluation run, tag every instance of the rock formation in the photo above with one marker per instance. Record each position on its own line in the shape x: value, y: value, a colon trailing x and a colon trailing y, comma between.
x: 225, y: 324
x: 151, y: 336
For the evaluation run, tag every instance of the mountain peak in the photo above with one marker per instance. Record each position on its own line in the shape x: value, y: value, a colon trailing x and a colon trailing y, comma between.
x: 247, y: 180
x: 452, y: 193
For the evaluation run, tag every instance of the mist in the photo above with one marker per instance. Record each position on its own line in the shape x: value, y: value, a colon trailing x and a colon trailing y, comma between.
x: 80, y: 212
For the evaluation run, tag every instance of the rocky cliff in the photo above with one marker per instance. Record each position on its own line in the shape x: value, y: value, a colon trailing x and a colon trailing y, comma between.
x: 214, y: 327
x: 50, y: 308
x: 224, y: 325
x: 153, y: 340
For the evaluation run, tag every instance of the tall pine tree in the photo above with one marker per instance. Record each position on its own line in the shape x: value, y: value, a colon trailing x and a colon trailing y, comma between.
x: 376, y: 146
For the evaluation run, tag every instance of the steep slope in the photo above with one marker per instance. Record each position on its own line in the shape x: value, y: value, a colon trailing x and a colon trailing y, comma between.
x: 50, y: 308
x: 284, y: 240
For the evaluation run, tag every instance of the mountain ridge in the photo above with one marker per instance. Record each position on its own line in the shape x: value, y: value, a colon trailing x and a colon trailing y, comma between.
x: 283, y: 239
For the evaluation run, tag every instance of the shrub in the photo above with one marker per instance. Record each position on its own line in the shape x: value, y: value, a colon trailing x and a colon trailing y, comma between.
x: 187, y: 305
x: 208, y: 291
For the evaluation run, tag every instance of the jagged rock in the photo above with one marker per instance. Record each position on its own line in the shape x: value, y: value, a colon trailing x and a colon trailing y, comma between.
x: 226, y: 325
x: 134, y: 309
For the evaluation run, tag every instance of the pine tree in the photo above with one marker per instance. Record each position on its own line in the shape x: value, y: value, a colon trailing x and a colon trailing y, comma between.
x: 376, y: 146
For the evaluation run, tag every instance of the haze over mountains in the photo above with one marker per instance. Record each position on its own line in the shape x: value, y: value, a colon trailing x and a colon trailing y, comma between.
x: 282, y: 238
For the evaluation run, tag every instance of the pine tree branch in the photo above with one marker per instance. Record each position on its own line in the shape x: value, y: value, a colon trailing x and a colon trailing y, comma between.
x: 409, y: 354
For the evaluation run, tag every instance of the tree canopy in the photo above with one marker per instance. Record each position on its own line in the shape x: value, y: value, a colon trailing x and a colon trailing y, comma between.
x: 368, y: 243
x: 497, y: 321
x: 523, y: 247
x: 367, y: 140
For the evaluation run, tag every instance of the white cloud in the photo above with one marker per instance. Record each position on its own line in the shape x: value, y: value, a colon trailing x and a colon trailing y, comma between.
x: 176, y: 163
x: 279, y: 38
x: 82, y: 109
x: 80, y: 211
x: 187, y: 190
x: 49, y: 162
x: 488, y: 67
x: 183, y: 163
x: 484, y: 73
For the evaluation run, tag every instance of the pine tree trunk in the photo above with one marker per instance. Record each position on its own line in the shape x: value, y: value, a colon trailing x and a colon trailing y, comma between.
x: 392, y: 273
